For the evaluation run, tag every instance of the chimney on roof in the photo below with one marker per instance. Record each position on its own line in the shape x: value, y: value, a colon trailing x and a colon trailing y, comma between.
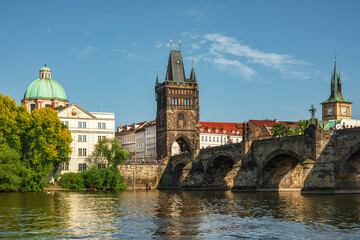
x: 275, y: 120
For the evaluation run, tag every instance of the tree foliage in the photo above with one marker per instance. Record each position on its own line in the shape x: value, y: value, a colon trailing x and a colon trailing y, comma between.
x: 110, y: 149
x: 35, y: 144
x: 280, y: 129
x: 94, y: 178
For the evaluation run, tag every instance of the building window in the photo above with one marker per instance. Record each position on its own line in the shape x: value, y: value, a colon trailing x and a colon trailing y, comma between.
x: 217, y: 139
x: 32, y: 107
x: 66, y: 123
x: 64, y: 167
x: 82, y: 138
x: 202, y: 138
x: 82, y: 124
x: 205, y: 138
x: 82, y: 167
x: 101, y: 125
x: 101, y: 138
x: 101, y: 165
x: 82, y: 151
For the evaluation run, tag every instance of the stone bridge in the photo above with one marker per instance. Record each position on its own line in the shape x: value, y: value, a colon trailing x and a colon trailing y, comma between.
x: 319, y: 160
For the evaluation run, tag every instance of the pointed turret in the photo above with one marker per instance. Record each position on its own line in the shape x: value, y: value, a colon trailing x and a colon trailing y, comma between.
x: 175, y: 70
x: 157, y: 78
x: 336, y: 94
x: 192, y: 75
x: 336, y: 107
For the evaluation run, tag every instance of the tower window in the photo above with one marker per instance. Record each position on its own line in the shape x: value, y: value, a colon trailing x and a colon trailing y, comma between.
x: 181, y: 120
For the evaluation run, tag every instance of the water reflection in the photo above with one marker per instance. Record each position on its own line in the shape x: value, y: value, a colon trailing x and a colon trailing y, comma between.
x: 190, y: 214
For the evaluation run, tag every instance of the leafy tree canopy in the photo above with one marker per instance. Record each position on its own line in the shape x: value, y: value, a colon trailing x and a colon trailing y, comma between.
x: 110, y: 149
x: 31, y: 145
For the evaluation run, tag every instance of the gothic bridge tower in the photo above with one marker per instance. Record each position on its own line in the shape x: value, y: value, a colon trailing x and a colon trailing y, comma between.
x: 177, y: 115
x: 336, y: 107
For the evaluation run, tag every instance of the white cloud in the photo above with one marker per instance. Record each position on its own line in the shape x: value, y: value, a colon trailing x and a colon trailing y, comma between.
x: 83, y: 53
x: 224, y: 44
x: 195, y: 46
x: 232, y: 55
x: 195, y: 14
x: 235, y: 66
x: 158, y: 45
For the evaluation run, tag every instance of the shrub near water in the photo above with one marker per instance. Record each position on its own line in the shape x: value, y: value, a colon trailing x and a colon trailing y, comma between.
x: 72, y: 181
x: 94, y: 178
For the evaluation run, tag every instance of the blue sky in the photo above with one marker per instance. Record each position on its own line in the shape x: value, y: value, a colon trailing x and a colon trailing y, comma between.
x: 254, y: 59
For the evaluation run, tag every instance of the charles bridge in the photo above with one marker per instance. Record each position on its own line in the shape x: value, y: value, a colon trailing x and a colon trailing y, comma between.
x: 317, y: 161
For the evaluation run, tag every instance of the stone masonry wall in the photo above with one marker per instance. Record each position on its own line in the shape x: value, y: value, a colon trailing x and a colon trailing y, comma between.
x: 146, y: 176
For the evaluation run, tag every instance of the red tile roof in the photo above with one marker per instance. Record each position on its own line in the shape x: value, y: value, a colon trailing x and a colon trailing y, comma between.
x: 230, y: 128
x: 270, y: 123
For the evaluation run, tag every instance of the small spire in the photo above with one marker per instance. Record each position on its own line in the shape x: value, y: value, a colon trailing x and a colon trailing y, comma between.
x: 180, y: 45
x: 45, y: 63
x: 192, y: 74
x: 170, y: 44
x: 157, y: 77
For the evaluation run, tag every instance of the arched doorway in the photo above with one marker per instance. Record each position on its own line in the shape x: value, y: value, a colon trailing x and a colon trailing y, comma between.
x: 218, y: 173
x: 282, y: 172
x: 348, y: 178
x: 180, y: 145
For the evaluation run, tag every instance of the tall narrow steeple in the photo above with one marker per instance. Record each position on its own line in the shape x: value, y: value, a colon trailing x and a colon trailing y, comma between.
x: 336, y: 107
x: 192, y: 74
x: 336, y: 94
x: 157, y: 78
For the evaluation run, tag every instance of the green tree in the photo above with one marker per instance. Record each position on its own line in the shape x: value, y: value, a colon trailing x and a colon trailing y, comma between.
x: 9, y: 129
x: 11, y: 170
x: 110, y: 149
x: 46, y: 145
x: 300, y: 128
x: 280, y: 129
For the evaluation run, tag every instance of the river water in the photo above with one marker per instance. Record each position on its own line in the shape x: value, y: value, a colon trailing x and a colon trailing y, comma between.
x: 174, y: 214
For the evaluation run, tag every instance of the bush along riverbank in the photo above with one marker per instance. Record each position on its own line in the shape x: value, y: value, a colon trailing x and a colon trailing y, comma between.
x: 93, y: 179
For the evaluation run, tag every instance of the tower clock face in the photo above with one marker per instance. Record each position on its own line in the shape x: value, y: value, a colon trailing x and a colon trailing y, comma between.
x: 343, y: 111
x: 329, y: 111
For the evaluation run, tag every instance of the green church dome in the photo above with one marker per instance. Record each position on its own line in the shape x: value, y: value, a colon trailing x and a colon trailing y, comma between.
x: 45, y: 87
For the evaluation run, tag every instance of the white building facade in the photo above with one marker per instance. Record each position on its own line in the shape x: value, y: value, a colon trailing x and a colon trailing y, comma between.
x: 86, y: 128
x: 140, y: 138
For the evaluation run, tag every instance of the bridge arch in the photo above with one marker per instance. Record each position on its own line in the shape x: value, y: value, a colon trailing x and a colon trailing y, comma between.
x: 180, y: 144
x: 347, y: 171
x: 281, y: 170
x: 218, y: 171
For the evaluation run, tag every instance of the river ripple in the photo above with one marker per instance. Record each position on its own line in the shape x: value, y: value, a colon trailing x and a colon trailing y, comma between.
x: 175, y: 214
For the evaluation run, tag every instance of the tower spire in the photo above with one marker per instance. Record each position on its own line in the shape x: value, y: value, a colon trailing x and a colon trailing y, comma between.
x: 157, y: 77
x: 192, y: 74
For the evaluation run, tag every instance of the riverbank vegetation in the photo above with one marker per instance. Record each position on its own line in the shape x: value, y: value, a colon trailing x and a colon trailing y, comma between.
x: 102, y: 179
x: 32, y: 146
x: 107, y: 151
